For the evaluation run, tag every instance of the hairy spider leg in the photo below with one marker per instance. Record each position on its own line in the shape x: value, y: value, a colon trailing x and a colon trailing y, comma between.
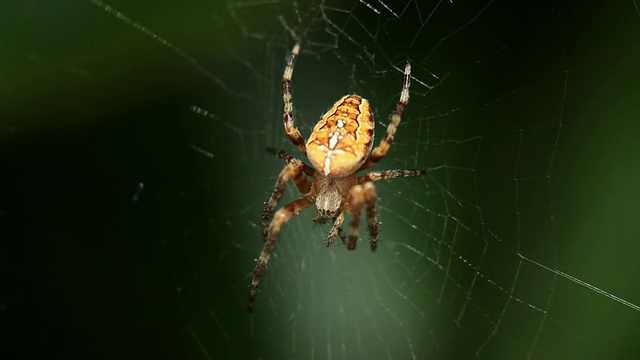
x: 289, y: 126
x: 335, y: 229
x: 388, y: 174
x: 290, y: 171
x: 282, y: 216
x: 359, y: 196
x: 379, y: 152
x: 291, y: 160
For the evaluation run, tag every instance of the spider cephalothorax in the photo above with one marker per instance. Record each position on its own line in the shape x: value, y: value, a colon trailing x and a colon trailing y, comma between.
x: 338, y: 148
x: 330, y: 192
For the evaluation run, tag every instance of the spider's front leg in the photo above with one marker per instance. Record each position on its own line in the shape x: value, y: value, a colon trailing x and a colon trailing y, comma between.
x: 360, y: 195
x: 291, y: 171
x: 282, y: 216
x: 336, y: 229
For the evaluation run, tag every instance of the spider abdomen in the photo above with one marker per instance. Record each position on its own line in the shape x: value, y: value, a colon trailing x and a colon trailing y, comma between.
x: 342, y: 139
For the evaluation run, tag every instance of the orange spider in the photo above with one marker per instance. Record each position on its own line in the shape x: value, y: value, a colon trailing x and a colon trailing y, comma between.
x: 338, y: 149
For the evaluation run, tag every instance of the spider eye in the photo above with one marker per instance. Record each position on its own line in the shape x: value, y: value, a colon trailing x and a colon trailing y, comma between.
x: 328, y: 213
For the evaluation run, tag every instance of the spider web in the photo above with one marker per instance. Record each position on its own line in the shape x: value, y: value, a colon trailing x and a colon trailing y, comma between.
x: 518, y: 243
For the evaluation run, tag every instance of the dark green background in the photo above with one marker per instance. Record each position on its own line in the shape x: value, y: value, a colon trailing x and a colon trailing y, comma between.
x: 91, y: 106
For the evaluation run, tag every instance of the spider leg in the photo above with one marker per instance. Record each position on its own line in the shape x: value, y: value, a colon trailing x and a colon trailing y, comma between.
x: 343, y: 235
x: 360, y: 195
x: 291, y: 160
x: 335, y: 229
x: 301, y: 181
x: 379, y: 152
x: 289, y: 126
x: 388, y: 174
x: 281, y: 217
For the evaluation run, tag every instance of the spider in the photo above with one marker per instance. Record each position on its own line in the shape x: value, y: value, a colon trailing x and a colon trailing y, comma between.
x: 337, y: 148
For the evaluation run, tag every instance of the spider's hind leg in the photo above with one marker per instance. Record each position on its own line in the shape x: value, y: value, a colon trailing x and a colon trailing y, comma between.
x: 381, y: 150
x: 289, y: 125
x: 308, y: 170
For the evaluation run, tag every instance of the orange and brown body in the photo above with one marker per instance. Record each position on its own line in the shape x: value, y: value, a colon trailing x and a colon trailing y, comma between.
x: 338, y: 148
x: 342, y: 139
